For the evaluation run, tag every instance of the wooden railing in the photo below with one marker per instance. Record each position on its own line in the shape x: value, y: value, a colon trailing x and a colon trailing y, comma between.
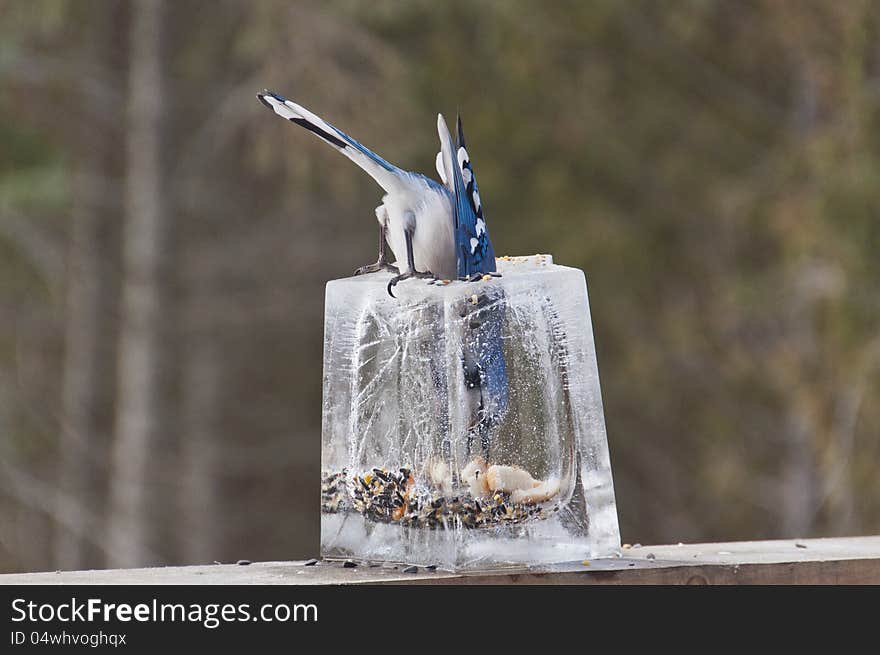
x: 853, y: 560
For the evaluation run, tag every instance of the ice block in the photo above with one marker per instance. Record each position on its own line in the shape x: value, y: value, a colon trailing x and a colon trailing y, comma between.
x: 462, y: 422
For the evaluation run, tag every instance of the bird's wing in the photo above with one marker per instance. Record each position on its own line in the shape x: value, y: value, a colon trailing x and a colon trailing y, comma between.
x: 473, y: 245
x: 388, y: 176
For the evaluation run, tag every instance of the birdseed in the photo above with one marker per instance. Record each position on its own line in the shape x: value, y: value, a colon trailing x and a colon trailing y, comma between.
x: 392, y: 497
x: 333, y: 495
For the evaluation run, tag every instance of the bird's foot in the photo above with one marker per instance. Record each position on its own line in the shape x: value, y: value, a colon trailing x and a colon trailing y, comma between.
x: 375, y: 268
x: 423, y: 275
x: 473, y: 277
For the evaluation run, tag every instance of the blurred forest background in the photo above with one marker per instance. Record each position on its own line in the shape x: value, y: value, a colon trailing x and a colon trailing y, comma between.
x: 713, y: 166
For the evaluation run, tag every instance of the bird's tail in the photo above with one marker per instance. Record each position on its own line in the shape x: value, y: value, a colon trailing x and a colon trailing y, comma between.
x: 385, y: 174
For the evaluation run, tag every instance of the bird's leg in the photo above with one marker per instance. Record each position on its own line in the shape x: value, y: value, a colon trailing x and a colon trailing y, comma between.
x: 382, y: 263
x: 412, y: 272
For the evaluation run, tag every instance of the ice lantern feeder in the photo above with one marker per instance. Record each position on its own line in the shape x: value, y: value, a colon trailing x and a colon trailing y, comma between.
x: 416, y: 469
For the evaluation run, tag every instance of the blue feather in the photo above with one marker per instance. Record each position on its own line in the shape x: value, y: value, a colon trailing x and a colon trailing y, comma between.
x: 493, y: 369
x: 473, y: 246
x: 485, y: 369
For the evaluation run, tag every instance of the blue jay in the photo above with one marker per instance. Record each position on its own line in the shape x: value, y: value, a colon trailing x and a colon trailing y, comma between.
x: 485, y: 370
x: 441, y: 227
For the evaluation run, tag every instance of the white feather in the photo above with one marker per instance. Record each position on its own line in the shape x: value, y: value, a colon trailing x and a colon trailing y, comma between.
x: 439, y: 164
x: 433, y: 238
x: 445, y: 159
x: 288, y: 109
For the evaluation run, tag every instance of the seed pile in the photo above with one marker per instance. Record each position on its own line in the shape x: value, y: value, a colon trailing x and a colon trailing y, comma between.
x: 382, y: 496
x: 333, y: 494
x: 390, y: 497
x: 445, y: 512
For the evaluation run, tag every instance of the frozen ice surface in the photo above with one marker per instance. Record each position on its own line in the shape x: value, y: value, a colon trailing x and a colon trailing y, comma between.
x: 468, y: 374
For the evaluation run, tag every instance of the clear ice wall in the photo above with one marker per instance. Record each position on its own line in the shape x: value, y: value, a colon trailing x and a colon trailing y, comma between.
x: 463, y: 423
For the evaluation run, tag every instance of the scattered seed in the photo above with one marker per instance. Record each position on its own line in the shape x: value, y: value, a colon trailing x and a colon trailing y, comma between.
x: 626, y: 546
x: 243, y: 562
x: 586, y: 562
x: 348, y: 564
x: 411, y: 569
x: 474, y: 299
x: 637, y: 545
x: 651, y: 556
x: 431, y: 567
x: 311, y: 562
x: 801, y: 545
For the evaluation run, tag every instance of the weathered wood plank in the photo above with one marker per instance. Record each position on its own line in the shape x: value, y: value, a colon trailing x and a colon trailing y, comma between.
x: 853, y: 560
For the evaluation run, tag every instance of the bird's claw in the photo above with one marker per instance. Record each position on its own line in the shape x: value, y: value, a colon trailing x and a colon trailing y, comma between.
x: 474, y: 277
x: 376, y: 267
x: 424, y: 275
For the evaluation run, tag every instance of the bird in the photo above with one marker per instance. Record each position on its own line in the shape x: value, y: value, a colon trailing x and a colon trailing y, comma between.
x: 437, y: 226
x: 482, y: 354
x: 441, y: 227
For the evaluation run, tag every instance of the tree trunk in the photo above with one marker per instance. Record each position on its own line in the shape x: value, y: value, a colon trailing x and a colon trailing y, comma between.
x: 200, y: 498
x: 141, y: 489
x: 91, y: 307
x: 797, y: 508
